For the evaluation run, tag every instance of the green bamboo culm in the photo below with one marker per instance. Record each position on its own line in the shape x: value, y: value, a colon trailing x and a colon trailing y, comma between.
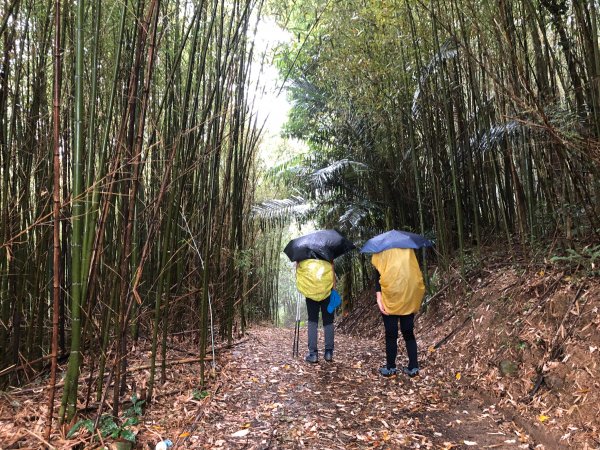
x: 123, y: 177
x: 69, y: 398
x: 88, y: 229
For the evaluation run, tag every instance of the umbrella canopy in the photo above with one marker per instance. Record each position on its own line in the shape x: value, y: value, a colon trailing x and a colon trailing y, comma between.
x: 323, y: 244
x: 395, y: 239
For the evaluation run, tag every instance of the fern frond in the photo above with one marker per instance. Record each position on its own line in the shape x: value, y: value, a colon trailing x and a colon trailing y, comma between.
x: 281, y: 209
x: 496, y: 134
x: 329, y: 175
x: 448, y: 50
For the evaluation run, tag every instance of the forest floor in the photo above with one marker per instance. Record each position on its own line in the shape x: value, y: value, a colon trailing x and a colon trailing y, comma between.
x: 266, y: 399
x: 509, y: 359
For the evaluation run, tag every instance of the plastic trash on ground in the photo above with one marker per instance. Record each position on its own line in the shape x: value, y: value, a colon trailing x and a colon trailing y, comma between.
x: 164, y: 445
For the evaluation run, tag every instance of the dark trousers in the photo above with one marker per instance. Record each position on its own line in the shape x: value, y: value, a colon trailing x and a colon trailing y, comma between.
x: 313, y: 308
x: 407, y: 325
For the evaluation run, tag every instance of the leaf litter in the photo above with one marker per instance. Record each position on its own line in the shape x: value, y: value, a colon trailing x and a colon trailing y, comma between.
x: 268, y: 399
x: 480, y: 354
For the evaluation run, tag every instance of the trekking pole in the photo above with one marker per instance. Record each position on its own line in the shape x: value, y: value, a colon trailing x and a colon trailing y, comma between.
x: 295, y: 345
x: 295, y: 338
x: 295, y: 333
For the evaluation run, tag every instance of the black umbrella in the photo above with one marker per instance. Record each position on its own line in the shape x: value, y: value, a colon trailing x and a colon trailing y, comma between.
x: 395, y: 239
x: 322, y: 244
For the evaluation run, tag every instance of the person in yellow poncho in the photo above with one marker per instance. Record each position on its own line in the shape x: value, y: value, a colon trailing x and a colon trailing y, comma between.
x: 399, y: 289
x: 315, y: 279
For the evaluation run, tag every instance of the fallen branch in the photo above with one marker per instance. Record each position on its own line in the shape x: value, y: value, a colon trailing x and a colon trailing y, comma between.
x: 169, y: 363
x: 129, y: 370
x: 183, y: 332
x: 41, y: 439
x: 452, y: 333
x: 437, y: 294
x: 218, y: 348
x: 28, y: 364
x: 180, y: 350
x: 135, y: 369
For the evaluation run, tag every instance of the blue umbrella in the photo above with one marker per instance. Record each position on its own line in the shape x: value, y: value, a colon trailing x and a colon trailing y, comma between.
x: 395, y: 239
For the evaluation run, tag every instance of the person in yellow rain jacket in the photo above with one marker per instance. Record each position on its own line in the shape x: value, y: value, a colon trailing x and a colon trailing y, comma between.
x: 399, y: 289
x: 315, y: 279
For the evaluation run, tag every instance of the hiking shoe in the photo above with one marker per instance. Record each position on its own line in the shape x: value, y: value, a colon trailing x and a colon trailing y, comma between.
x: 388, y: 372
x: 328, y: 355
x: 410, y: 372
x: 312, y: 358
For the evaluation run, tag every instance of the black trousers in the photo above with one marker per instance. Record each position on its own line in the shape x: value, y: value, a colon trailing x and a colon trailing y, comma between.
x: 407, y: 325
x: 313, y: 308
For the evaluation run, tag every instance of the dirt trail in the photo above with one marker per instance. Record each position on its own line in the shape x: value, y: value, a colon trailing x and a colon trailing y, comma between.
x: 264, y: 398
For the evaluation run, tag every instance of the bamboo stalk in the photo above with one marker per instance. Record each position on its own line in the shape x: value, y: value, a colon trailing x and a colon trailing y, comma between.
x: 56, y: 217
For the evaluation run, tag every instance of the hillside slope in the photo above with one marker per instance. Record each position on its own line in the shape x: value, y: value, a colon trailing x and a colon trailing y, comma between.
x: 524, y: 337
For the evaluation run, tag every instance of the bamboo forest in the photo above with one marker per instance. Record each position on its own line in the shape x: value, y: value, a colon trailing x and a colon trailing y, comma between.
x: 158, y: 156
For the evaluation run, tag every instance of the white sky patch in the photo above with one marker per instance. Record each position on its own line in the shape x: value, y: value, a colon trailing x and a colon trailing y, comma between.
x: 271, y: 103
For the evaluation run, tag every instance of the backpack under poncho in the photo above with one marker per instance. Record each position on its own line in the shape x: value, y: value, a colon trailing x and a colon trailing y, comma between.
x: 401, y: 280
x: 314, y: 278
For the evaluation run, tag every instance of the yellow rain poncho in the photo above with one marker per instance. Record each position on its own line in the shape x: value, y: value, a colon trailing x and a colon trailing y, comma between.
x: 314, y: 278
x: 401, y: 280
